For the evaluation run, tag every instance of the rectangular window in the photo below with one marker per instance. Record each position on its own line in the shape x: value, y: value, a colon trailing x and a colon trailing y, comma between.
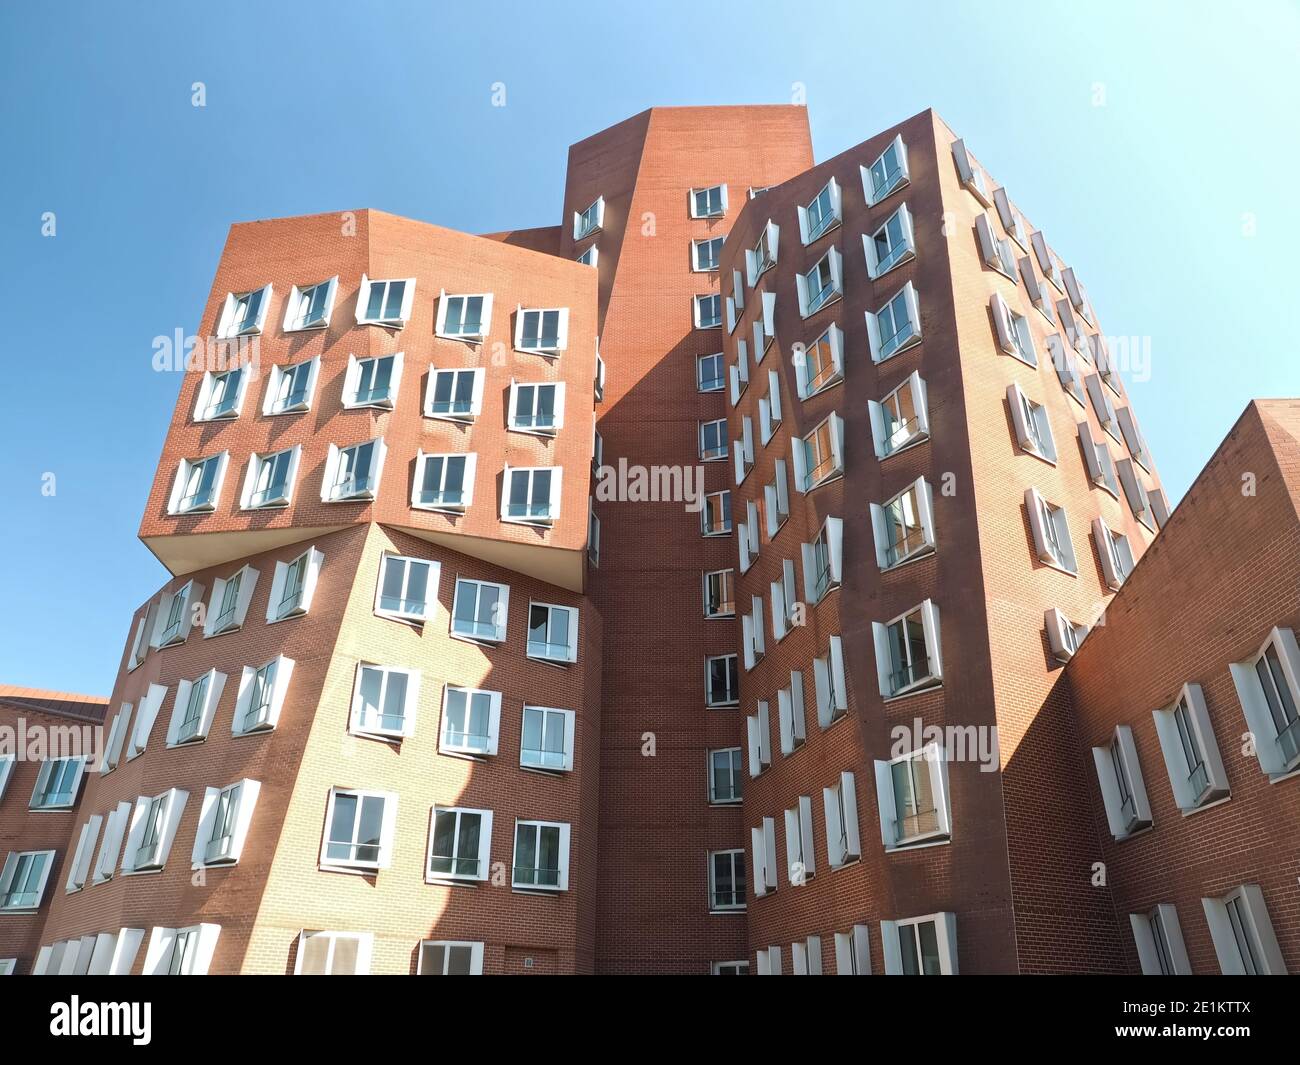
x: 1013, y: 333
x: 352, y: 473
x: 843, y: 843
x: 706, y: 254
x: 221, y: 394
x: 463, y: 317
x: 708, y: 312
x: 720, y: 594
x: 821, y: 285
x: 531, y: 496
x: 471, y: 721
x: 921, y: 946
x: 727, y: 880
x: 1158, y: 937
x: 223, y: 823
x: 901, y: 418
x: 819, y: 456
x: 590, y: 257
x: 270, y: 479
x: 713, y: 440
x: 547, y: 739
x: 407, y: 587
x: 1190, y: 750
x: 444, y: 482
x: 1122, y: 789
x: 1243, y: 935
x: 1033, y: 429
x: 552, y: 632
x: 722, y: 680
x: 359, y: 827
x: 180, y: 951
x: 23, y: 880
x: 710, y: 375
x: 912, y: 791
x: 244, y: 313
x: 385, y: 302
x: 886, y: 174
x: 822, y: 215
x: 441, y: 958
x: 1268, y: 687
x: 194, y: 708
x: 716, y: 515
x: 587, y: 222
x: 261, y: 693
x: 710, y: 202
x: 57, y: 784
x: 198, y: 484
x: 763, y: 255
x: 173, y: 624
x: 541, y: 861
x: 384, y: 701
x: 853, y: 952
x: 310, y: 307
x: 537, y: 408
x: 290, y: 388
x: 907, y: 651
x: 544, y: 331
x: 1115, y: 554
x: 1051, y: 531
x: 790, y: 715
x: 333, y: 954
x: 373, y: 382
x: 1063, y: 635
x: 293, y: 586
x: 893, y: 244
x: 459, y: 844
x: 904, y: 527
x: 896, y: 326
x: 153, y: 827
x: 800, y: 859
x: 821, y: 364
x: 479, y: 610
x: 829, y: 682
x: 725, y: 775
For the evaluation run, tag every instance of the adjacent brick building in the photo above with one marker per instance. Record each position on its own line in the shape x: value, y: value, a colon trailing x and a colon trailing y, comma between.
x: 616, y: 597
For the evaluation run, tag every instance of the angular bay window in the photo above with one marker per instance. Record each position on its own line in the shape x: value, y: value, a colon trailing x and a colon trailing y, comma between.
x: 175, y: 620
x: 224, y: 821
x: 244, y: 313
x: 896, y: 326
x: 1014, y: 337
x: 57, y: 784
x: 552, y: 632
x: 181, y: 951
x: 904, y: 526
x: 821, y: 285
x: 821, y: 364
x: 764, y: 325
x: 725, y: 776
x: 384, y: 701
x: 531, y: 496
x: 1033, y: 429
x: 908, y: 655
x: 1067, y: 370
x: 790, y: 715
x: 1010, y: 217
x: 444, y: 482
x: 467, y: 318
x: 1114, y: 552
x: 1098, y: 459
x: 471, y: 721
x: 893, y: 244
x: 352, y: 473
x: 920, y: 946
x: 293, y: 586
x: 198, y: 484
x: 333, y: 953
x: 726, y: 880
x: 830, y: 685
x: 971, y: 174
x: 289, y: 389
x: 840, y: 802
x: 1103, y: 407
x: 221, y: 395
x: 800, y: 850
x: 270, y: 478
x: 709, y: 202
x: 590, y: 220
x: 765, y: 862
x: 776, y: 499
x: 1158, y: 936
x: 194, y: 708
x: 547, y: 739
x: 153, y: 826
x: 386, y: 303
x: 758, y: 734
x: 1133, y: 438
x: 824, y: 213
x: 721, y: 680
x: 853, y: 952
x: 913, y: 796
x: 544, y: 331
x: 819, y: 456
x: 460, y: 844
x: 1243, y: 935
x: 407, y: 587
x: 310, y: 307
x: 1122, y: 789
x: 1039, y: 294
x: 1191, y: 751
x: 1063, y: 635
x: 372, y: 382
x: 888, y: 173
x: 1051, y: 531
x: 1046, y: 260
x: 762, y: 257
x: 1139, y: 500
x: 479, y: 610
x: 541, y: 859
x: 751, y: 627
x: 823, y: 561
x: 997, y: 252
x: 359, y: 830
x: 1268, y: 686
x: 901, y: 419
x: 261, y: 695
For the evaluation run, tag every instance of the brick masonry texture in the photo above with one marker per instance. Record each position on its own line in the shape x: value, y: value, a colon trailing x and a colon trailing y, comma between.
x: 1020, y: 870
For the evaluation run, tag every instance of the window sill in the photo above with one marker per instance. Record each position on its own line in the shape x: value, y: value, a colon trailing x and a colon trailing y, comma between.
x: 350, y: 870
x: 482, y: 641
x: 836, y: 223
x: 723, y: 911
x: 920, y: 845
x: 1209, y: 805
x: 395, y: 323
x: 722, y: 706
x: 831, y: 300
x: 900, y: 261
x: 916, y: 556
x: 919, y: 688
x: 463, y: 338
x: 1058, y: 567
x: 904, y: 347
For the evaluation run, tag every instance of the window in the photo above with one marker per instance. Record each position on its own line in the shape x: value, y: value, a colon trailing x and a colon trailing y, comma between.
x: 758, y: 731
x: 289, y: 389
x: 823, y: 214
x: 57, y: 784
x: 1010, y: 217
x: 706, y: 254
x: 901, y: 419
x: 598, y: 382
x: 710, y: 202
x: 887, y: 173
x: 725, y: 775
x: 7, y: 761
x: 1190, y: 751
x: 310, y: 307
x: 352, y: 473
x: 853, y: 952
x: 173, y: 624
x: 443, y: 958
x: 1051, y: 531
x: 261, y: 695
x: 444, y: 482
x: 708, y: 312
x: 721, y: 680
x: 1243, y: 933
x: 223, y: 823
x: 372, y: 382
x: 463, y: 317
x: 763, y: 847
x: 590, y: 257
x: 460, y: 842
x: 907, y: 651
x: 915, y: 803
x: 786, y: 608
x: 23, y: 879
x: 745, y: 447
x: 726, y: 880
x: 719, y: 593
x: 384, y: 701
x: 536, y: 408
x: 769, y: 960
x: 920, y: 946
x: 386, y: 303
x: 896, y: 326
x: 552, y: 632
x: 821, y: 285
x: 823, y: 561
x: 821, y: 364
x: 270, y: 478
x: 729, y: 968
x: 764, y: 326
x: 840, y: 801
x: 1268, y: 685
x: 221, y: 394
x: 1046, y: 260
x: 709, y: 373
x: 716, y: 513
x: 713, y: 440
x: 806, y: 957
x: 904, y: 527
x: 1063, y: 635
x: 1066, y: 369
x: 541, y: 861
x: 997, y: 252
x: 293, y: 585
x: 403, y: 590
x: 747, y: 536
x: 1139, y: 500
x: 1133, y: 438
x: 153, y: 826
x: 776, y: 499
x: 593, y: 535
x: 790, y: 715
x: 198, y: 484
x: 1014, y: 337
x: 547, y: 739
x: 110, y: 848
x: 1078, y: 294
x: 79, y: 866
x: 1102, y: 406
x: 893, y: 244
x: 146, y: 715
x: 1158, y: 937
x: 762, y: 257
x: 1115, y: 553
x: 359, y: 830
x: 194, y: 708
x: 531, y: 495
x: 751, y: 627
x: 471, y: 721
x: 587, y: 222
x: 1039, y: 294
x: 828, y: 681
x: 819, y: 456
x: 333, y: 954
x: 479, y: 610
x: 180, y: 951
x: 543, y: 331
x: 1122, y: 789
x: 244, y: 313
x: 1097, y: 457
x: 800, y: 860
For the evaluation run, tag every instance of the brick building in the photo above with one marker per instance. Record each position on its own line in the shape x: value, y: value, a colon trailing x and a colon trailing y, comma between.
x: 616, y: 597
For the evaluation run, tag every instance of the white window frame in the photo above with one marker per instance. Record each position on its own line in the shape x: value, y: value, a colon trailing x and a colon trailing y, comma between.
x: 177, y: 504
x: 929, y: 613
x: 945, y: 933
x: 887, y: 555
x: 563, y: 870
x: 1116, y: 565
x: 403, y: 610
x: 833, y: 217
x: 853, y: 952
x: 280, y: 671
x: 932, y: 760
x: 741, y: 888
x: 569, y: 723
x: 464, y: 335
x: 698, y: 302
x: 170, y: 806
x: 498, y: 633
x: 758, y: 727
x: 10, y: 902
x: 197, y: 944
x: 893, y: 180
x: 898, y: 254
x: 228, y: 327
x: 804, y: 481
x: 552, y: 514
x: 210, y: 685
x: 561, y: 340
x: 732, y: 693
x: 372, y: 725
x: 274, y: 404
x: 1196, y: 773
x: 735, y: 770
x: 260, y: 462
x: 388, y: 321
x: 1242, y: 913
x: 843, y: 839
x: 231, y: 816
x: 385, y: 846
x: 482, y: 859
x: 1276, y: 747
x: 448, y: 945
x: 883, y: 348
x: 281, y: 608
x: 57, y: 769
x: 204, y: 410
x: 1050, y: 526
x: 698, y: 264
x: 1123, y: 789
x: 831, y: 291
x: 1063, y: 635
x: 422, y: 458
x: 545, y: 652
x: 298, y: 306
x: 452, y: 742
x: 707, y: 190
x: 589, y: 221
x: 364, y: 488
x: 352, y: 399
x: 887, y: 443
x: 1164, y: 954
x: 365, y: 946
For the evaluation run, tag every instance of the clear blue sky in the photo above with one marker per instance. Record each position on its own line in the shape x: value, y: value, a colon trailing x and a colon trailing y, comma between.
x: 328, y: 106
